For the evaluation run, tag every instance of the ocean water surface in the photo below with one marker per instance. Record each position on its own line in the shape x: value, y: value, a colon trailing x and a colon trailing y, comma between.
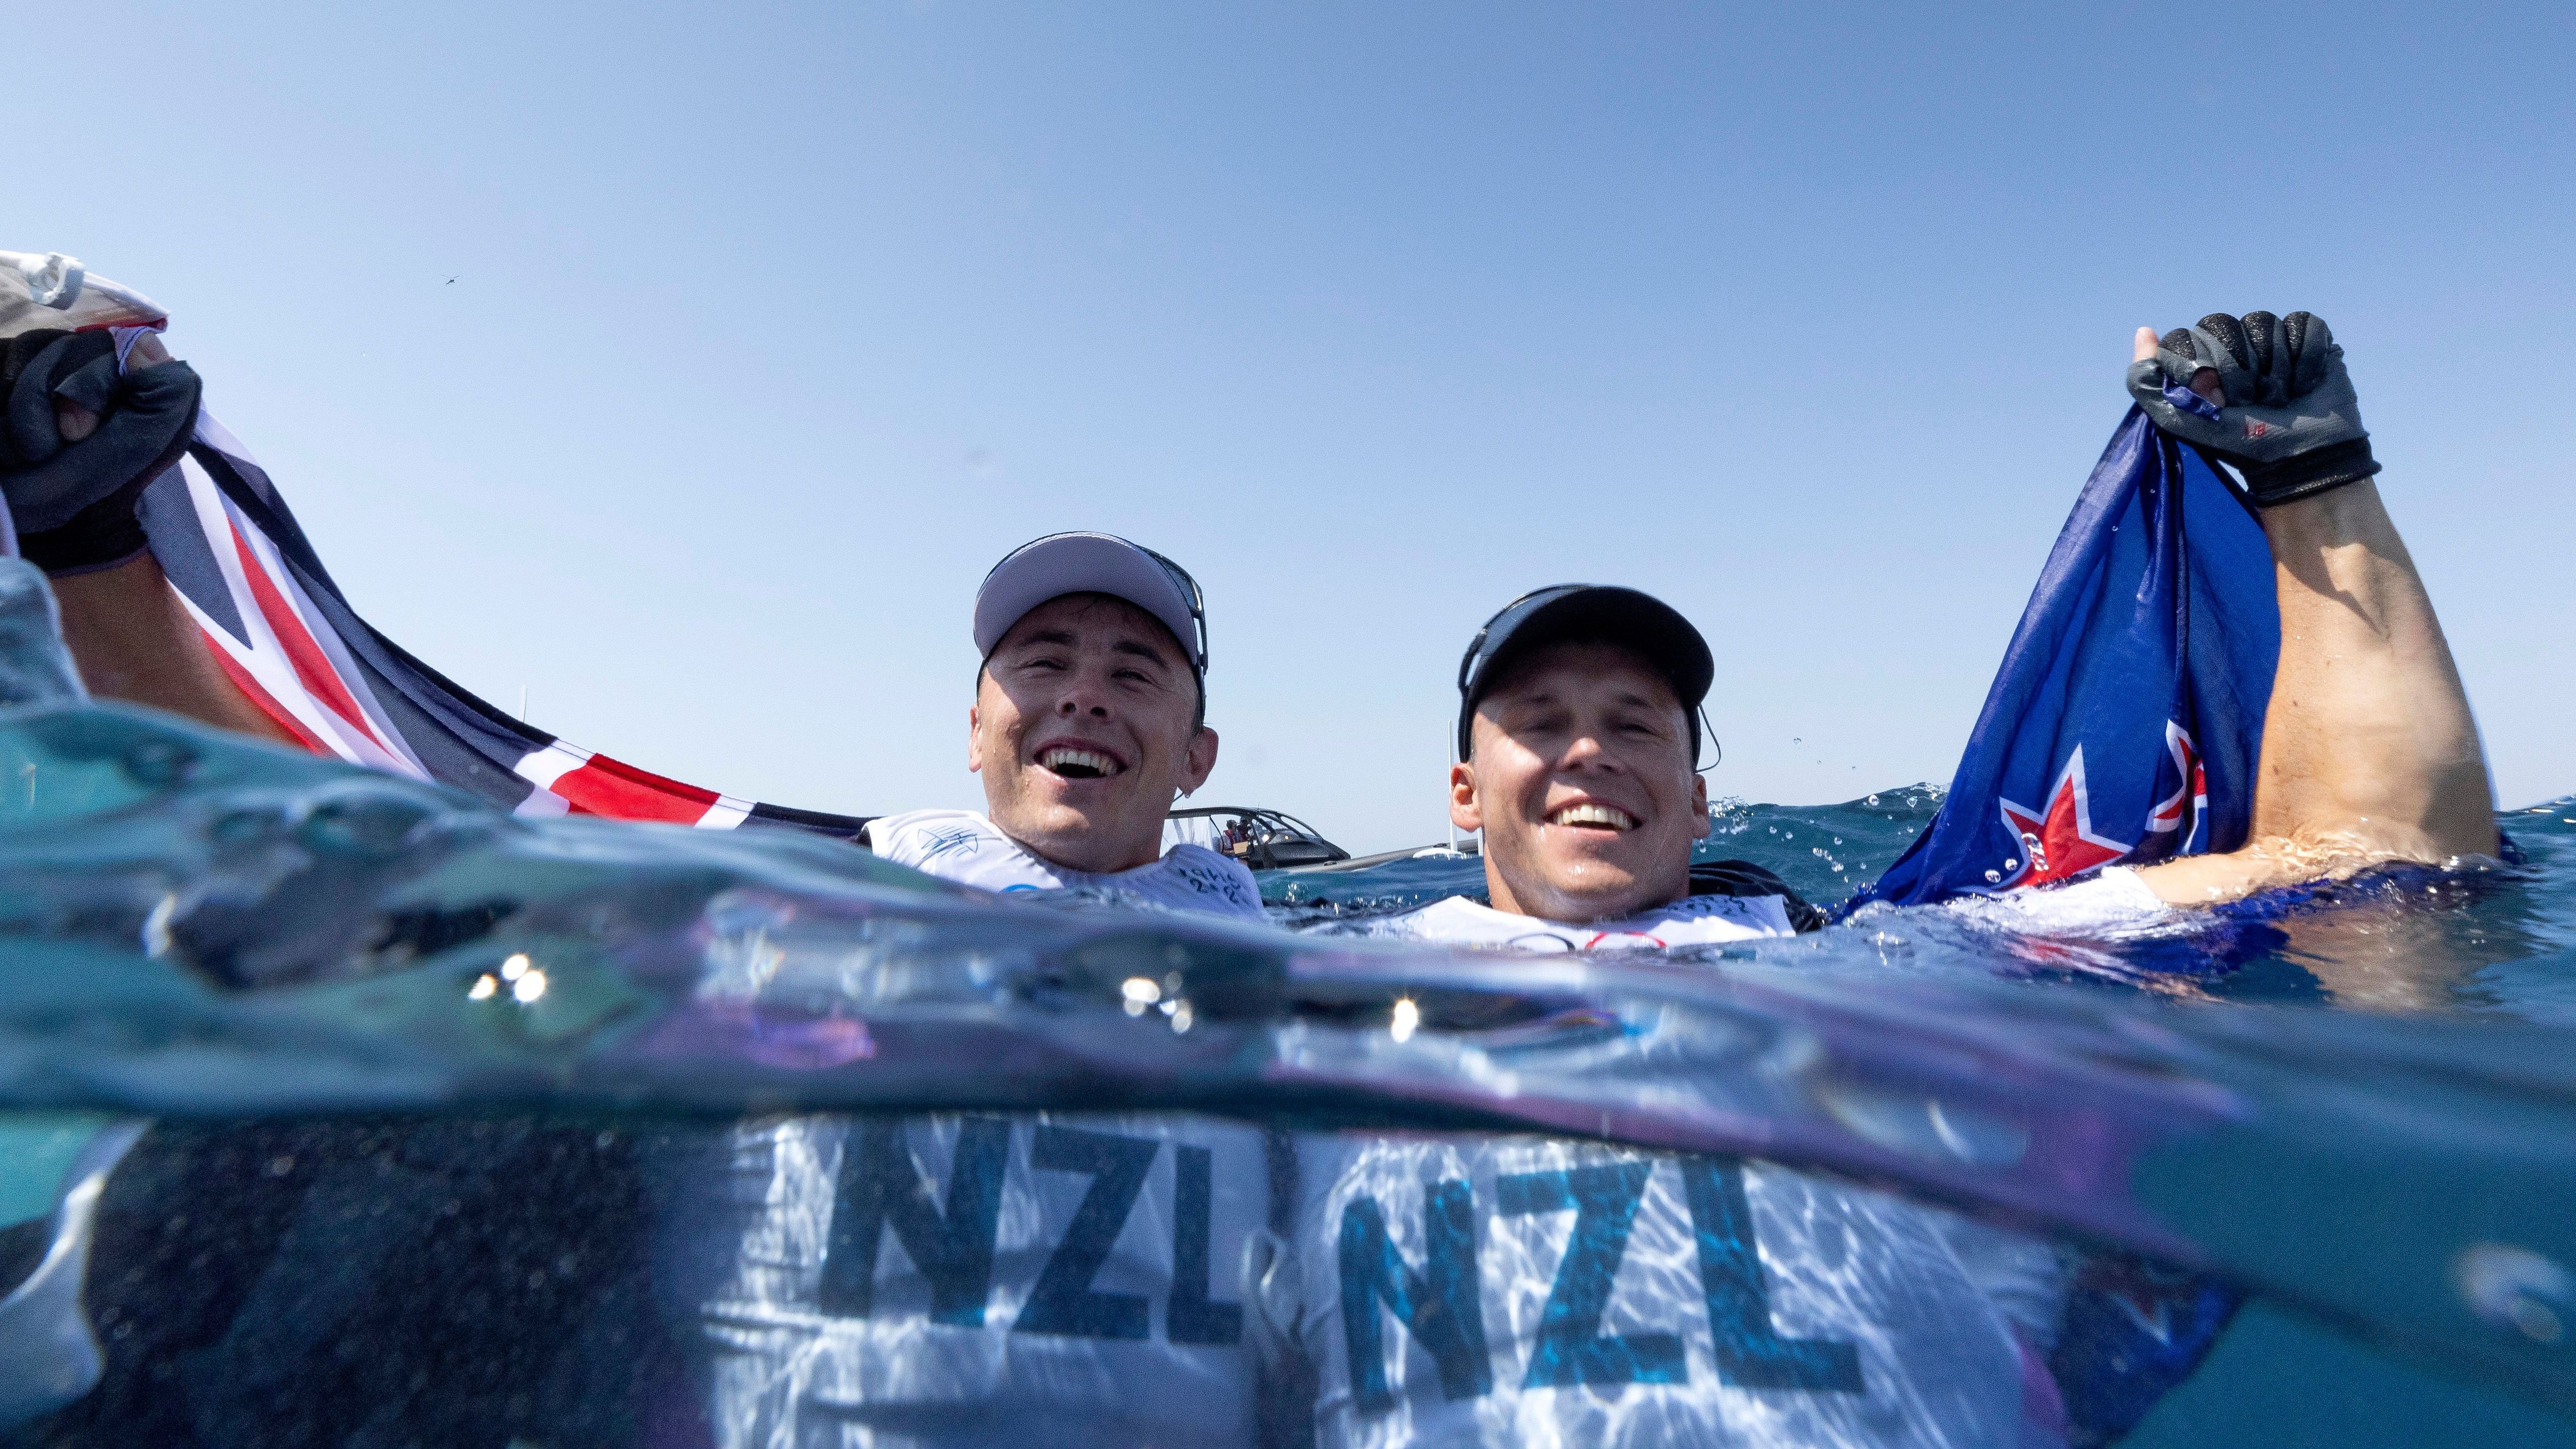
x: 336, y: 1108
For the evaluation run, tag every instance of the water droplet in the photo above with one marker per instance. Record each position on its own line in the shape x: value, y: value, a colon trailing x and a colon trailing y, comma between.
x: 239, y: 826
x: 159, y: 764
x: 1993, y: 877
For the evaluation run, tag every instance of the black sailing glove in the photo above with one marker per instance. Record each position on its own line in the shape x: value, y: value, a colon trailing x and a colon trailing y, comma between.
x: 74, y: 502
x: 2291, y: 425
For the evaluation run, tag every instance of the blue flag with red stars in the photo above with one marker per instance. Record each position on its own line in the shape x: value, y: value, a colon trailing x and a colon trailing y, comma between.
x: 2126, y: 721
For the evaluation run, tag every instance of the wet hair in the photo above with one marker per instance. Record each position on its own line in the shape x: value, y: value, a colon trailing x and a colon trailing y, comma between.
x: 1198, y: 707
x: 1511, y: 667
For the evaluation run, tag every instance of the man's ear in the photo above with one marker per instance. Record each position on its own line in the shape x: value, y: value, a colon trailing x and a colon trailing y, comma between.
x: 974, y: 739
x: 1465, y: 810
x: 1199, y: 760
x: 1700, y: 827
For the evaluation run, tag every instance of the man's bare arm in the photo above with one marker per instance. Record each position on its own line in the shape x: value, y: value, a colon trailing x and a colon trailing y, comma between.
x: 134, y: 641
x: 2369, y: 751
x: 128, y: 633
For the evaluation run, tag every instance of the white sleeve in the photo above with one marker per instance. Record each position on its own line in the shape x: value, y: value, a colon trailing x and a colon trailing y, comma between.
x: 2111, y: 902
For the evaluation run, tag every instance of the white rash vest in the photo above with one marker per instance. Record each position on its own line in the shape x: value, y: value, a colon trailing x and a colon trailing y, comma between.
x: 1693, y: 921
x: 1467, y: 1290
x: 962, y: 846
x: 1462, y: 1290
x: 1038, y: 1280
x: 1044, y: 1280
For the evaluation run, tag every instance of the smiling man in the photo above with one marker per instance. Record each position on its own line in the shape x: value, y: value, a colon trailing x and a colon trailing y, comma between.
x: 1694, y: 1300
x: 1578, y: 729
x: 1090, y: 718
x: 980, y: 1276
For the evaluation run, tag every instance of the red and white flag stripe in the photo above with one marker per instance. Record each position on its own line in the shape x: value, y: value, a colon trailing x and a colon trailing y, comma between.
x: 294, y: 667
x: 573, y: 780
x: 292, y: 664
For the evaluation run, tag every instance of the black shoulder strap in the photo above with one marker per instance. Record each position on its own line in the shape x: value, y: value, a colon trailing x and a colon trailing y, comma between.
x: 1744, y: 878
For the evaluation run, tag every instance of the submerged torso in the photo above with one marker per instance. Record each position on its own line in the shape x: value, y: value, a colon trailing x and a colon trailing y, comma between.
x: 1041, y: 1279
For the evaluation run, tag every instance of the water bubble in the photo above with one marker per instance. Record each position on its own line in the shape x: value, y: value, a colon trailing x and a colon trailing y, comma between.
x: 1872, y: 800
x: 1993, y: 878
x: 370, y: 826
x: 2515, y: 1288
x: 2011, y: 863
x: 1140, y: 992
x: 159, y: 764
x: 239, y: 827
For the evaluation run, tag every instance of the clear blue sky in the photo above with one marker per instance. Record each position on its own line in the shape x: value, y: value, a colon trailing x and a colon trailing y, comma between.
x: 773, y: 327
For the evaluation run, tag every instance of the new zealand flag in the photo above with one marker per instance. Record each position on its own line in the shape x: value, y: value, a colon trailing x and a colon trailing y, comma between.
x: 2126, y: 721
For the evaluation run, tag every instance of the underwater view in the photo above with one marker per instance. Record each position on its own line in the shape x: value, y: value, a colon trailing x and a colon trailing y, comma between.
x: 348, y: 1109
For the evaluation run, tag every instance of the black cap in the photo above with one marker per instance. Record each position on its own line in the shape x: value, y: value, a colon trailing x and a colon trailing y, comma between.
x: 1641, y: 622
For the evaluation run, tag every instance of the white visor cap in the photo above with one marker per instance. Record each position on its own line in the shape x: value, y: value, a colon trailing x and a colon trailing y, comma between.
x: 1087, y: 563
